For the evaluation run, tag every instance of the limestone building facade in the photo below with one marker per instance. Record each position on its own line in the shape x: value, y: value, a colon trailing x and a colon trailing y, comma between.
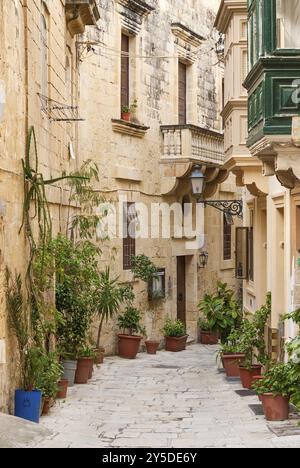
x: 69, y: 68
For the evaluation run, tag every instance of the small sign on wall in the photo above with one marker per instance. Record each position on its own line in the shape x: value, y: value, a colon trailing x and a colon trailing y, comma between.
x: 2, y: 352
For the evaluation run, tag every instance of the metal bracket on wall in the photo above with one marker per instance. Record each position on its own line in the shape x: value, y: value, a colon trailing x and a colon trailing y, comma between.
x: 229, y: 207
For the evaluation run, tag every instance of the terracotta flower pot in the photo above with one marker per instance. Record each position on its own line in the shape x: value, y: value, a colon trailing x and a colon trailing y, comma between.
x: 276, y: 408
x: 176, y: 344
x: 83, y: 370
x: 99, y: 355
x: 247, y: 375
x: 62, y: 389
x: 47, y: 405
x: 126, y: 116
x: 152, y: 346
x: 256, y: 379
x: 231, y: 364
x: 129, y: 346
x: 209, y: 337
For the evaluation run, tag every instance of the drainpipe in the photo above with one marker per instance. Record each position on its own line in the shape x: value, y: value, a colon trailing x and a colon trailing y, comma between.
x: 26, y: 58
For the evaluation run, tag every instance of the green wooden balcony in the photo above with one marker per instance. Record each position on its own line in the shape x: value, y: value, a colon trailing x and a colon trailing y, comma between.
x: 273, y: 82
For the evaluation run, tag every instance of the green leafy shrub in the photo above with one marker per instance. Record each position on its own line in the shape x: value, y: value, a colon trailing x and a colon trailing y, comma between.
x: 203, y: 324
x: 130, y: 321
x: 249, y: 339
x: 77, y: 285
x: 280, y: 379
x: 174, y: 328
x: 49, y: 374
x: 143, y: 268
x: 221, y: 311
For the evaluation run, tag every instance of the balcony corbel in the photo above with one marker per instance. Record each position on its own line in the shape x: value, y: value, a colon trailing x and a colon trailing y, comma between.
x: 81, y: 13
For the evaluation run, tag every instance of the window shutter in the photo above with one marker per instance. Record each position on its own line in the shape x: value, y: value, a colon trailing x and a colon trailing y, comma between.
x: 182, y: 90
x: 129, y: 241
x: 242, y: 242
x: 125, y: 71
x: 226, y: 239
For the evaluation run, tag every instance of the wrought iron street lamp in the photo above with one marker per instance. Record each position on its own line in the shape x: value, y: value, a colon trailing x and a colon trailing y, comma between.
x: 229, y: 207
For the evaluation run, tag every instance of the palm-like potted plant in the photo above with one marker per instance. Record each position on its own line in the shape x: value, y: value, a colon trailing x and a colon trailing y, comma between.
x: 175, y: 335
x: 276, y: 389
x: 28, y: 398
x: 130, y: 323
x: 109, y: 298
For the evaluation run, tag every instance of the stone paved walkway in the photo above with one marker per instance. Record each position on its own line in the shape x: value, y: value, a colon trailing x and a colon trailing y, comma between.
x: 169, y: 400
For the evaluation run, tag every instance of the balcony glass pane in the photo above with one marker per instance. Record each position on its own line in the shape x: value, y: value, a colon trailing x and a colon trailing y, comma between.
x: 288, y: 24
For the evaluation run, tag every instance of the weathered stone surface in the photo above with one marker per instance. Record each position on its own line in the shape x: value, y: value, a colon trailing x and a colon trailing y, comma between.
x: 168, y: 400
x: 15, y: 432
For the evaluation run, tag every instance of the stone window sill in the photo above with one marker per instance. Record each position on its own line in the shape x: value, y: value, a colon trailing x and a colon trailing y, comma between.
x: 129, y: 128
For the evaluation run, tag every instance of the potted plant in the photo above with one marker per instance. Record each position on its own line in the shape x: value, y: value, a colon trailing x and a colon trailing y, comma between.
x: 145, y: 270
x: 62, y: 391
x: 28, y: 399
x: 252, y: 343
x: 77, y: 283
x: 128, y: 341
x: 109, y: 298
x: 232, y: 355
x: 222, y: 314
x: 206, y: 335
x: 175, y: 335
x: 276, y: 389
x: 128, y: 110
x: 47, y: 380
x: 85, y: 363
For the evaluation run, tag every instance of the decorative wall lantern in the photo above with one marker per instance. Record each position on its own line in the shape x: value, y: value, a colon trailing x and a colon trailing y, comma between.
x: 203, y: 260
x: 229, y: 207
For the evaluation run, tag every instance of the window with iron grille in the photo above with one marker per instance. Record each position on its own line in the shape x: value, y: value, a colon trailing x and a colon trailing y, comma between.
x: 227, y: 238
x: 129, y: 241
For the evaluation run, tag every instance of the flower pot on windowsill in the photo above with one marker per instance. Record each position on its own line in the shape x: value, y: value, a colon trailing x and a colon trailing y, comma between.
x: 126, y: 116
x: 247, y: 375
x: 209, y: 337
x: 232, y: 362
x: 176, y: 344
x: 129, y: 346
x: 152, y: 346
x: 276, y: 408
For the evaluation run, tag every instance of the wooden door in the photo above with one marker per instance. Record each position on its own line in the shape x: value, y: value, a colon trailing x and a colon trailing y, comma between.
x: 182, y: 91
x: 181, y: 289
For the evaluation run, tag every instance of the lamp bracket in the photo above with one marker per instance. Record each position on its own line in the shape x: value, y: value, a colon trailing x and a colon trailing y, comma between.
x: 231, y: 207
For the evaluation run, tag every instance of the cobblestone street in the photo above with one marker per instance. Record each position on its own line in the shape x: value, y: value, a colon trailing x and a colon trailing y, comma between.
x: 169, y: 400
